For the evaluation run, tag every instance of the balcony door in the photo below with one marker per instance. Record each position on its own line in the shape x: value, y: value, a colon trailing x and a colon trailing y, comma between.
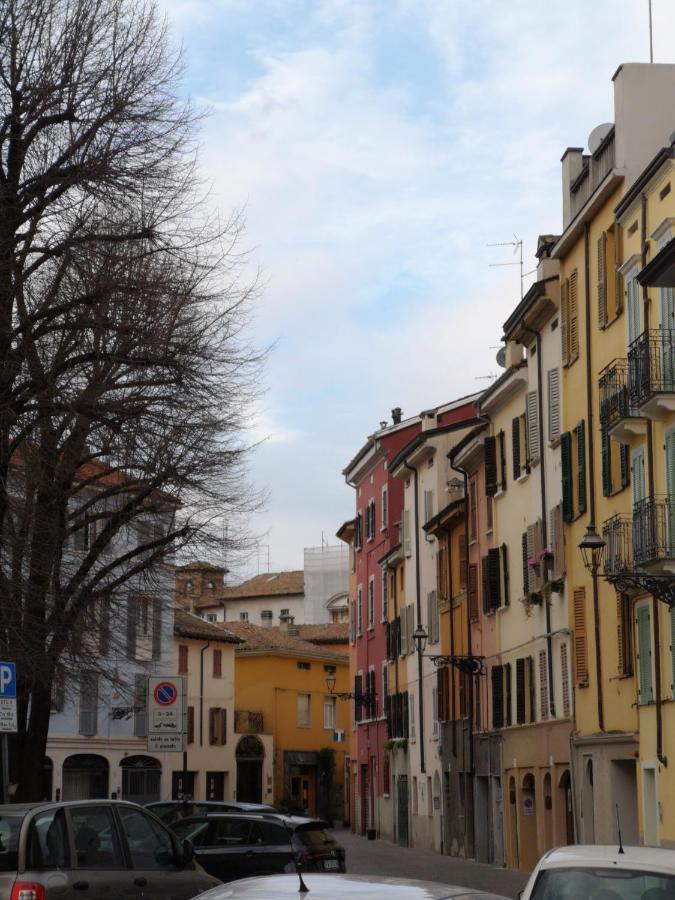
x: 640, y: 511
x: 668, y: 337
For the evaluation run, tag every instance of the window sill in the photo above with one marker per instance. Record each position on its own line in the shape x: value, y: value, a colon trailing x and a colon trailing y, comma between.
x: 499, y: 494
x: 521, y: 478
x: 554, y: 444
x: 621, y: 676
x: 489, y: 531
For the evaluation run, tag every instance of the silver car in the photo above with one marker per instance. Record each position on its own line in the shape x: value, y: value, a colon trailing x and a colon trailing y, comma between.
x: 96, y: 849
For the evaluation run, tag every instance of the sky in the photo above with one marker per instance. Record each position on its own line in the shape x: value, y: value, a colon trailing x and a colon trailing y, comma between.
x: 377, y: 149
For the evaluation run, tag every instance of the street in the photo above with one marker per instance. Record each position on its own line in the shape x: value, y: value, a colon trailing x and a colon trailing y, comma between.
x: 383, y: 858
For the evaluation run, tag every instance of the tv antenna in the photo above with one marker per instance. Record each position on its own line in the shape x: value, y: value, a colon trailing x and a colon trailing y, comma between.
x: 651, y: 39
x: 517, y: 245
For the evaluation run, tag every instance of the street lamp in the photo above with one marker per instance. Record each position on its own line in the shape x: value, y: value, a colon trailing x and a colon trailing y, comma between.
x: 362, y: 698
x: 592, y: 550
x: 330, y: 683
x: 467, y: 663
x: 420, y: 637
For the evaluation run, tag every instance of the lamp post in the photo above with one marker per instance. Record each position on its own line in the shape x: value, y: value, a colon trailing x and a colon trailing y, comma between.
x: 362, y: 698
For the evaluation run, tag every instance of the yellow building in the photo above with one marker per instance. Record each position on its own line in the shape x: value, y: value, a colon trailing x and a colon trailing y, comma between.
x: 602, y: 248
x: 281, y: 689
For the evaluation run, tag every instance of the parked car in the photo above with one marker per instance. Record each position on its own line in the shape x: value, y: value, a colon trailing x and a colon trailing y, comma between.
x: 100, y: 849
x: 341, y: 887
x: 170, y: 811
x: 235, y: 846
x: 603, y: 873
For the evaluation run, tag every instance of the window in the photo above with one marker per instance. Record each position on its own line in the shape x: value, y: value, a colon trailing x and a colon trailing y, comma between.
x: 358, y: 691
x: 414, y: 796
x: 359, y: 610
x: 491, y: 478
x: 524, y: 687
x: 573, y: 463
x: 407, y: 541
x: 385, y: 509
x: 183, y: 652
x: 543, y: 685
x: 217, y: 663
x: 434, y: 713
x: 96, y: 843
x: 610, y: 299
x: 189, y: 586
x: 371, y: 602
x: 497, y: 676
x: 211, y: 617
x: 329, y: 713
x: 217, y: 726
x: 385, y: 596
x: 352, y: 622
x: 47, y: 841
x: 370, y: 520
x: 149, y: 843
x: 433, y: 617
x: 88, y: 704
x: 615, y: 464
x: 284, y: 613
x: 472, y: 592
x: 304, y: 665
x: 304, y: 710
x: 211, y: 586
x: 634, y: 304
x: 243, y: 617
x: 266, y: 615
x: 428, y: 509
x: 358, y: 532
x: 508, y: 695
x: 569, y: 322
x: 411, y: 716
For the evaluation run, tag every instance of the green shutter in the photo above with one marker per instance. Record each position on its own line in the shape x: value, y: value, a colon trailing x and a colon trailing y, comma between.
x: 672, y: 648
x: 566, y: 462
x: 625, y: 465
x: 606, y: 449
x: 644, y: 655
x: 581, y: 466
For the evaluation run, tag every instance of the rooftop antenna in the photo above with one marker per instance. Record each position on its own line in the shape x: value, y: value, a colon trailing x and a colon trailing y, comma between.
x: 517, y: 245
x: 618, y: 828
x: 651, y: 37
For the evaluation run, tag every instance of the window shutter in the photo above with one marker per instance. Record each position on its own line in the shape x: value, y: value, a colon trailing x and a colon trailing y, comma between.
x: 131, y: 627
x: 462, y: 560
x: 529, y: 681
x: 672, y: 649
x: 526, y: 568
x: 557, y: 541
x: 140, y: 705
x: 191, y: 725
x: 618, y: 278
x: 403, y: 630
x: 411, y: 627
x: 644, y: 655
x: 602, y: 280
x: 553, y: 404
x: 565, y: 676
x: 566, y: 465
x: 581, y: 466
x: 543, y: 685
x: 494, y: 578
x: 183, y: 651
x: 491, y: 485
x: 88, y: 704
x: 505, y: 573
x: 358, y: 691
x: 564, y: 320
x: 156, y: 627
x: 520, y: 691
x: 497, y: 697
x: 502, y: 460
x: 606, y: 456
x: 573, y: 318
x: 407, y: 547
x: 580, y: 647
x: 217, y: 663
x: 506, y: 677
x: 532, y: 409
x: 212, y: 725
x: 484, y: 584
x: 620, y: 635
x: 625, y: 464
x: 515, y: 440
x: 104, y: 627
x: 531, y: 551
x: 473, y: 592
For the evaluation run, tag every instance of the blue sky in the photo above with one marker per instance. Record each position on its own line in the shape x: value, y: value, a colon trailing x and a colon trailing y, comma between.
x: 378, y: 148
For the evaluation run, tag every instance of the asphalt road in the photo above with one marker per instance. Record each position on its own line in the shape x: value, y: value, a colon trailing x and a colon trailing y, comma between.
x: 366, y: 857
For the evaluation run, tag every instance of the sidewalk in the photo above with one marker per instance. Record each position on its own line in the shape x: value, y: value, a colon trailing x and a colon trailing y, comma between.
x: 366, y: 857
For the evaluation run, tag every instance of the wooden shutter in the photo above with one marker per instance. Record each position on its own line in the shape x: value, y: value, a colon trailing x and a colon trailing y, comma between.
x: 565, y: 676
x: 140, y: 705
x: 553, y: 404
x: 543, y: 685
x: 462, y: 560
x: 131, y: 627
x: 407, y: 544
x: 529, y: 682
x: 183, y: 652
x: 580, y: 643
x: 621, y: 633
x: 618, y: 277
x: 156, y: 627
x: 494, y: 578
x: 526, y: 568
x: 212, y: 725
x: 473, y: 510
x: 573, y: 317
x: 484, y: 584
x: 411, y: 627
x: 625, y: 464
x: 520, y: 691
x: 557, y: 541
x: 515, y: 440
x: 581, y: 466
x: 644, y: 655
x: 473, y: 592
x: 602, y: 280
x: 403, y: 630
x: 217, y: 663
x: 491, y: 484
x: 564, y: 320
x: 508, y: 703
x: 502, y: 461
x: 532, y: 579
x: 358, y: 691
x: 497, y: 697
x: 566, y: 466
x: 505, y: 573
x: 606, y: 457
x: 532, y: 413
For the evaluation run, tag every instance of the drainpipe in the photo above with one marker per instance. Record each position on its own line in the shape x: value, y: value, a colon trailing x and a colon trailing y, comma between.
x: 419, y: 614
x: 658, y: 700
x: 201, y: 692
x: 544, y: 517
x: 453, y: 710
x: 591, y: 465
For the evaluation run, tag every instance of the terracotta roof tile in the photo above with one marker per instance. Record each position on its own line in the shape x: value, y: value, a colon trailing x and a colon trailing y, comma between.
x: 186, y: 624
x: 256, y: 637
x: 199, y: 566
x: 330, y: 633
x: 271, y: 584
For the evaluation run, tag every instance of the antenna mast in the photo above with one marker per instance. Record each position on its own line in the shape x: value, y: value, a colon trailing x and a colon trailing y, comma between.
x: 517, y: 245
x: 651, y: 34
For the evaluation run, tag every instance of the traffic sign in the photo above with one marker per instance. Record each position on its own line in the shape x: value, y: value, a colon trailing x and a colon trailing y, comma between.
x: 167, y: 714
x: 8, y: 717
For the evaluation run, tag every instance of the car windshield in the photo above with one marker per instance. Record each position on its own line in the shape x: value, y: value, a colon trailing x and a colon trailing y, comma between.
x: 313, y: 837
x: 9, y: 842
x: 193, y: 831
x: 602, y: 884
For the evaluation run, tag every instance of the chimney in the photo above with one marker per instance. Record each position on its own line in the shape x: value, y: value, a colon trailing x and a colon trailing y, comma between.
x: 428, y: 417
x: 396, y: 415
x: 572, y: 164
x: 286, y: 623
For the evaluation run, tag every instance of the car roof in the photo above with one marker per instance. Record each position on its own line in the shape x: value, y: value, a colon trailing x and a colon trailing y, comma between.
x: 23, y: 808
x: 338, y: 887
x: 587, y: 855
x: 293, y: 821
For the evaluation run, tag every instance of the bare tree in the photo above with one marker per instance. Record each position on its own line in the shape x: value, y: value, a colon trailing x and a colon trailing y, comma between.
x: 125, y: 378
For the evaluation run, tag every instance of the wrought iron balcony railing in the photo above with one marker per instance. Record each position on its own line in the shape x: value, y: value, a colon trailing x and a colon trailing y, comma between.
x: 617, y: 533
x: 651, y: 364
x: 615, y: 402
x: 653, y: 531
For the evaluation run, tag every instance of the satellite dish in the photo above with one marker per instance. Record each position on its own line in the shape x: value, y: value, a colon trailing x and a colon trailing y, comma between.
x: 597, y: 136
x: 501, y: 357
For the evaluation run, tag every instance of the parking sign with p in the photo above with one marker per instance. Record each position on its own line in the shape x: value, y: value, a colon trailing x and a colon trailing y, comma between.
x: 7, y: 679
x: 8, y: 722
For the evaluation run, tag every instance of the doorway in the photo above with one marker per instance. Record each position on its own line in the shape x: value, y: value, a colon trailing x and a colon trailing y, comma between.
x: 624, y: 786
x: 85, y: 777
x: 402, y: 809
x: 649, y: 808
x: 141, y: 779
x: 588, y: 804
x: 568, y: 807
x: 249, y: 754
x: 303, y: 792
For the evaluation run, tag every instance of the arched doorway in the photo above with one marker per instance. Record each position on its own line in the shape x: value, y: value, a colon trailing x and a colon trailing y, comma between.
x: 566, y: 796
x: 588, y: 804
x: 548, y: 812
x: 250, y: 754
x: 141, y: 779
x: 47, y: 783
x: 85, y: 777
x: 529, y: 846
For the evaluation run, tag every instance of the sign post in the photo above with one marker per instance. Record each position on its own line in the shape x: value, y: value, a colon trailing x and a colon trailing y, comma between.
x: 166, y: 714
x: 8, y: 719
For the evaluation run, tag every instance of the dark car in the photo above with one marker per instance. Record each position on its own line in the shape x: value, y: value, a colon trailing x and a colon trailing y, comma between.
x: 237, y: 846
x: 170, y: 811
x: 100, y: 849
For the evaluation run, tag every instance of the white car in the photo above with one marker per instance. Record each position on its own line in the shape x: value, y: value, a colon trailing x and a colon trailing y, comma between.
x: 598, y: 872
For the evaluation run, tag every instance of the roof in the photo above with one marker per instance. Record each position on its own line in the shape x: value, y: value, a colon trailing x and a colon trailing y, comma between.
x: 186, y: 624
x: 423, y: 436
x: 652, y: 167
x: 466, y: 440
x: 200, y: 566
x: 660, y: 271
x: 600, y: 855
x: 535, y: 293
x: 257, y: 638
x: 329, y: 633
x: 269, y: 584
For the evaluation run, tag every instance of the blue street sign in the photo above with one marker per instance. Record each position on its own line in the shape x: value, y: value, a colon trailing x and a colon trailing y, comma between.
x: 8, y: 680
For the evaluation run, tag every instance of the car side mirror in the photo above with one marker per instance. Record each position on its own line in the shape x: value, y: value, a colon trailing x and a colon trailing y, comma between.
x: 188, y: 853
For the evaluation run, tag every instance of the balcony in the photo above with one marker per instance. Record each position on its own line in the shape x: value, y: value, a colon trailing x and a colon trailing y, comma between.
x: 617, y: 415
x: 247, y: 721
x: 617, y: 533
x: 651, y: 363
x: 654, y: 534
x: 595, y: 169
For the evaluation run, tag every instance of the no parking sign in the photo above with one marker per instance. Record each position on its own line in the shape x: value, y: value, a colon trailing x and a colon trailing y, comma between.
x: 166, y: 713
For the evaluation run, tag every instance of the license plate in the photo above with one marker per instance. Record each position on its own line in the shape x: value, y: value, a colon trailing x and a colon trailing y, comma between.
x: 331, y: 864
